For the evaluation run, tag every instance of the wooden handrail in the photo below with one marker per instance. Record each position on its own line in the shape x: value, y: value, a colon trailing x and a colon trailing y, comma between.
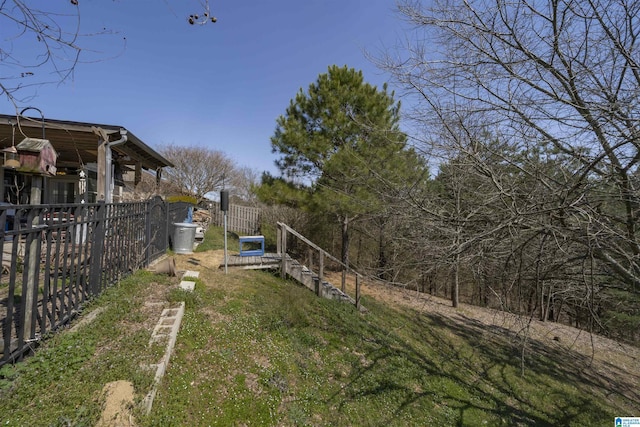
x: 316, y: 247
x: 282, y: 231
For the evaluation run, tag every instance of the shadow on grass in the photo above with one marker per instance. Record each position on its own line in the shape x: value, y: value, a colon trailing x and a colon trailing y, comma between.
x: 403, y: 367
x: 461, y: 374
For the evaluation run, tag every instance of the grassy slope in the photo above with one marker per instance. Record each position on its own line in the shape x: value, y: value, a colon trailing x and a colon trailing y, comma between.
x: 254, y: 350
x: 61, y: 384
x: 272, y: 354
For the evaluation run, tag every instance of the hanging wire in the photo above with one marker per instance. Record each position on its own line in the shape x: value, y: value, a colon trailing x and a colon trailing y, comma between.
x: 12, y: 149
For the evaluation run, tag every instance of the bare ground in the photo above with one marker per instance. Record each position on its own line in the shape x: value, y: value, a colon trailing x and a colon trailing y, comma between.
x: 118, y: 405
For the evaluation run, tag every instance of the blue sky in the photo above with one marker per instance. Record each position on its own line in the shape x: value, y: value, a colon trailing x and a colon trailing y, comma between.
x: 220, y: 85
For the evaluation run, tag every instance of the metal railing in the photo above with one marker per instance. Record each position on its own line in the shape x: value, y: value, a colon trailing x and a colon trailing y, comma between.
x: 56, y: 257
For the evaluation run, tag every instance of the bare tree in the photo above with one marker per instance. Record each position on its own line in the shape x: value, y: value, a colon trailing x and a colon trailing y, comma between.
x: 44, y: 43
x: 39, y: 45
x: 243, y: 182
x: 198, y: 171
x: 560, y: 73
x: 557, y: 83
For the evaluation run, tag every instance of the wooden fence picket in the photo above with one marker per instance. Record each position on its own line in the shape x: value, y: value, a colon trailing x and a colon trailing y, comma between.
x: 240, y: 219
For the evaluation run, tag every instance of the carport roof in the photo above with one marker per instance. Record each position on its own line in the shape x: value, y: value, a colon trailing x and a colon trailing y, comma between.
x: 77, y: 143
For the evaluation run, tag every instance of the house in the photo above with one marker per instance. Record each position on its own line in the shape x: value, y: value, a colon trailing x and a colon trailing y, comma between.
x: 90, y: 160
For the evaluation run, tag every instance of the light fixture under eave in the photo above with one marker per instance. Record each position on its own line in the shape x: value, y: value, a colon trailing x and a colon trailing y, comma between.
x: 11, y: 157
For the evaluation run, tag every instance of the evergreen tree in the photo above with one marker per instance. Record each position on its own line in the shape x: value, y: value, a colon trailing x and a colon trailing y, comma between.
x: 342, y: 151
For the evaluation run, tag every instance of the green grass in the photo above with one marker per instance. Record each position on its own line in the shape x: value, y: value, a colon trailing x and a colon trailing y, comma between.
x: 61, y: 384
x: 256, y: 350
x: 214, y: 239
x: 272, y: 354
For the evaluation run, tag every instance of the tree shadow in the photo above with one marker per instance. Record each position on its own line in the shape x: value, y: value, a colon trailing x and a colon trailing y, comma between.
x: 467, y: 371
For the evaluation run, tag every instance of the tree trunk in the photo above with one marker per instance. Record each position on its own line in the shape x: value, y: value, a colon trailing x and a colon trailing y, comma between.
x: 345, y: 241
x: 455, y: 288
x: 382, y: 258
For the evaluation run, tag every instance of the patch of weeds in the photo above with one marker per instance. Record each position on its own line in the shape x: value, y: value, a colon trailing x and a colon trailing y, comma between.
x: 210, y: 297
x: 278, y: 381
x: 45, y: 375
x: 297, y: 414
x: 243, y: 408
x: 192, y: 299
x: 233, y: 306
x: 82, y: 415
x: 214, y: 239
x: 8, y: 373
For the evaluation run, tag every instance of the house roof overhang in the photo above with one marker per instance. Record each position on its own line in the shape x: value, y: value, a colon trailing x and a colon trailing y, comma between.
x: 77, y: 144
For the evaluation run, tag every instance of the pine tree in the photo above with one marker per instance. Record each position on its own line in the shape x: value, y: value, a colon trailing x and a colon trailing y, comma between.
x: 341, y: 144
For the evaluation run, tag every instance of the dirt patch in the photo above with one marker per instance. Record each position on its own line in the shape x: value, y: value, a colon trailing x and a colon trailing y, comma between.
x: 118, y: 405
x: 196, y: 261
x: 252, y: 382
x: 215, y: 316
x: 261, y: 360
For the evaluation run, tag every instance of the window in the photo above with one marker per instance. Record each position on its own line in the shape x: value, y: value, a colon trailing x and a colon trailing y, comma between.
x: 62, y: 190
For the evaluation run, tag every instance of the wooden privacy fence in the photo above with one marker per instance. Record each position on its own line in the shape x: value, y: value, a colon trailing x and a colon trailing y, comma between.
x: 56, y: 257
x: 240, y: 219
x: 315, y: 256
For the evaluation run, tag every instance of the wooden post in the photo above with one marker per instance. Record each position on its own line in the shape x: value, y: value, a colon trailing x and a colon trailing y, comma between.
x: 310, y: 258
x: 36, y: 193
x: 279, y: 239
x: 33, y: 265
x: 283, y: 248
x: 358, y: 291
x: 138, y: 174
x: 102, y: 170
x: 320, y: 272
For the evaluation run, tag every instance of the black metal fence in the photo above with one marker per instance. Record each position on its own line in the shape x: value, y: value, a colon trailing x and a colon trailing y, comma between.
x: 56, y: 257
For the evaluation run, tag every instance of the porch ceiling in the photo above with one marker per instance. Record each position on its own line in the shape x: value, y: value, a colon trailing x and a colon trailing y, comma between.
x: 76, y: 143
